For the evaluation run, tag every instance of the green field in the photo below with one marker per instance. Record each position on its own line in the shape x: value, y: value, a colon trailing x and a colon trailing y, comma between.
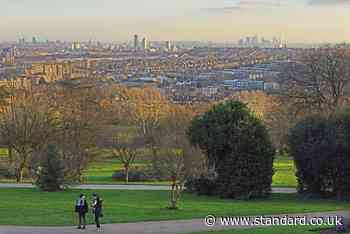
x: 101, y: 172
x: 102, y: 168
x: 271, y: 230
x: 32, y: 207
x: 284, y: 173
x: 3, y: 152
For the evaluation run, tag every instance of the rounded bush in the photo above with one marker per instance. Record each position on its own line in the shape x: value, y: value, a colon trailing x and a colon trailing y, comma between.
x: 320, y: 147
x: 203, y: 185
x: 238, y: 149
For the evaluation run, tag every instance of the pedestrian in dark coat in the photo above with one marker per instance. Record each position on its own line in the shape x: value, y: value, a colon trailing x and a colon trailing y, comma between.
x: 81, y: 208
x: 97, y: 209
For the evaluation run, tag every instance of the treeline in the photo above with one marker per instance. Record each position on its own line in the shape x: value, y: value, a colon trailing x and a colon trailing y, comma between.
x: 52, y: 132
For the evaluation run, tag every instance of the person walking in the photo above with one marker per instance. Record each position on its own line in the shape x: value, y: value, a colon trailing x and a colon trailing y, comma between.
x: 97, y: 210
x: 82, y: 208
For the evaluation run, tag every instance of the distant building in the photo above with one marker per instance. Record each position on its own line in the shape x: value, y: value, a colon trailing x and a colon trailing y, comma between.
x: 136, y: 42
x: 209, y: 91
x: 9, y: 55
x: 244, y: 84
x: 145, y: 44
x: 21, y: 41
x: 168, y: 46
x: 254, y: 41
x: 269, y: 86
x: 76, y: 46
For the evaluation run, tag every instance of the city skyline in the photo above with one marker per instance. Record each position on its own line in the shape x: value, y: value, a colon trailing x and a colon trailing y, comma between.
x: 307, y: 21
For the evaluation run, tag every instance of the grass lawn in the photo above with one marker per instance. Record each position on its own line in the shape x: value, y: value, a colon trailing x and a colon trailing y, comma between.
x: 101, y: 172
x: 284, y: 173
x: 3, y: 153
x: 271, y: 230
x: 32, y: 207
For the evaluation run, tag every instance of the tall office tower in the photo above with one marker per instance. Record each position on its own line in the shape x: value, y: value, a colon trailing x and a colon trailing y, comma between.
x: 248, y: 41
x: 241, y: 42
x: 136, y: 42
x: 34, y: 41
x: 168, y: 46
x: 145, y: 44
x: 255, y: 40
x: 275, y: 42
x: 21, y: 41
x: 75, y: 46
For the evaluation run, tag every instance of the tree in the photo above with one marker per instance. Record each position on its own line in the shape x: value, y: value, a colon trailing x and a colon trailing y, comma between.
x: 26, y: 125
x: 147, y: 107
x: 320, y: 148
x: 178, y: 164
x: 79, y: 118
x: 311, y: 142
x: 238, y: 149
x: 258, y: 102
x: 319, y: 81
x: 341, y: 165
x: 277, y: 113
x: 51, y: 171
x: 125, y: 148
x: 177, y: 160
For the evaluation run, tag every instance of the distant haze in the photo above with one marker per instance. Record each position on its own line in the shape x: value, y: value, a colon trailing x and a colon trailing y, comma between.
x: 307, y: 21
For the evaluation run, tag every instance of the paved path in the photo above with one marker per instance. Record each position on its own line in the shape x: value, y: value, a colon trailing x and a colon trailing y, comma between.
x: 161, y: 227
x: 126, y: 187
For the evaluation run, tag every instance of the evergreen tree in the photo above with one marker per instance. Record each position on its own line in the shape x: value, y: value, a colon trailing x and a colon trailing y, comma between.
x: 238, y: 149
x: 51, y: 173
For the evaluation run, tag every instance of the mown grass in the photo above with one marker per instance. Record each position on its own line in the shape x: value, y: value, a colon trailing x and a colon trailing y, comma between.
x: 32, y: 207
x: 100, y: 170
x: 3, y: 153
x: 284, y: 173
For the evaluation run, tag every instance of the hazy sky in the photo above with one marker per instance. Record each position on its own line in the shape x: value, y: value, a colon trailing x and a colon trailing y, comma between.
x: 215, y: 20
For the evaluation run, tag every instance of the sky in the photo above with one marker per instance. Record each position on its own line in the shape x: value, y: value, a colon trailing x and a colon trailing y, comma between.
x: 304, y: 21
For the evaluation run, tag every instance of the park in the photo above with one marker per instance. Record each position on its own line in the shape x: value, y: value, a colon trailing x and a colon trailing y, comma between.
x: 162, y: 167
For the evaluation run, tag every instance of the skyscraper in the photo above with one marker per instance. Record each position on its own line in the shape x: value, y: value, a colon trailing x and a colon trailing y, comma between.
x: 75, y: 46
x: 136, y: 42
x: 145, y: 44
x: 168, y: 46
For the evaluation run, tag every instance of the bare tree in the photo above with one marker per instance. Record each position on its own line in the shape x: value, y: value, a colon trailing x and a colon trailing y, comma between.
x: 145, y: 109
x: 178, y: 164
x: 79, y: 118
x: 26, y: 125
x: 319, y: 80
x: 126, y: 147
x: 177, y: 158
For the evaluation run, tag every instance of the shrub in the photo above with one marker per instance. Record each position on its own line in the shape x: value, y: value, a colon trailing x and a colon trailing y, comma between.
x: 134, y: 175
x: 320, y: 147
x: 341, y: 164
x: 310, y: 143
x: 203, y: 185
x: 238, y: 149
x: 6, y: 172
